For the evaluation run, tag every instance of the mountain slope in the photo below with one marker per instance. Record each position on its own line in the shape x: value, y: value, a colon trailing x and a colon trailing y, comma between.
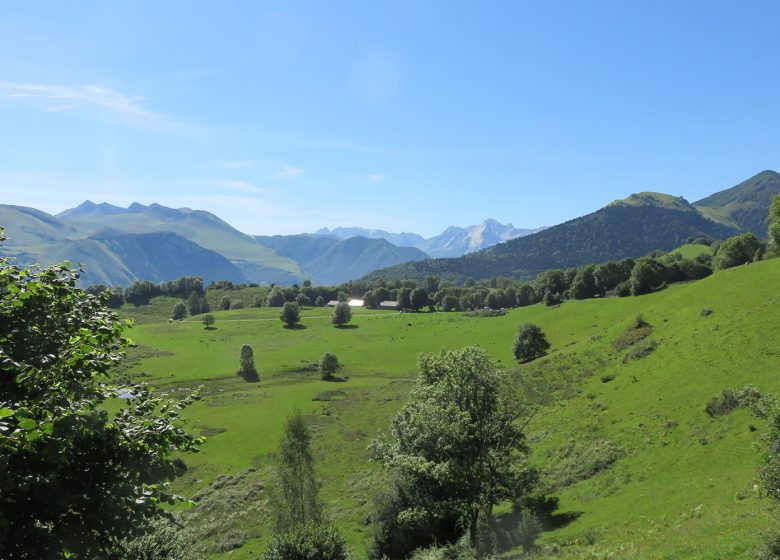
x: 118, y: 260
x: 333, y: 261
x: 746, y: 205
x: 256, y: 262
x: 625, y: 228
x: 27, y: 226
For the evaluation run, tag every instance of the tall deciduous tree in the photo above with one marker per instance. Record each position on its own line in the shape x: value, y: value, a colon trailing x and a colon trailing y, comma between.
x: 530, y: 343
x: 418, y: 299
x: 342, y: 314
x: 295, y: 492
x: 290, y: 313
x: 737, y: 250
x: 74, y: 481
x: 457, y: 441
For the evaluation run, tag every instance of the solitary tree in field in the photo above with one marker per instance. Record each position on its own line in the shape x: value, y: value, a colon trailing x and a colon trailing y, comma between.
x: 418, y: 298
x: 329, y: 365
x: 319, y: 302
x: 208, y: 320
x: 530, y: 343
x: 457, y: 444
x: 290, y: 313
x: 179, y: 311
x: 302, y: 300
x: 295, y: 492
x: 247, y: 363
x: 342, y: 314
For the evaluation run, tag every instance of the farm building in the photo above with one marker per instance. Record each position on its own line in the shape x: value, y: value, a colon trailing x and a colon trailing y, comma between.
x: 388, y: 305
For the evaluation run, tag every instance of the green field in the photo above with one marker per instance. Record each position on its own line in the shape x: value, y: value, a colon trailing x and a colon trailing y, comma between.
x: 682, y: 487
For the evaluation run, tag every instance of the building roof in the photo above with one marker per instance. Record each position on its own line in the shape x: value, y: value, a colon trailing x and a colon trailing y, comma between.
x: 356, y: 303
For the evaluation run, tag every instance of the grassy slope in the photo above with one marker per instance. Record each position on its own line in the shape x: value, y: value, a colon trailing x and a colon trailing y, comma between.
x: 693, y: 250
x: 684, y: 487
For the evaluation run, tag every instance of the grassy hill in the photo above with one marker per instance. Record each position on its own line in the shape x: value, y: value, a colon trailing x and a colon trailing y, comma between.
x: 745, y: 205
x: 640, y: 470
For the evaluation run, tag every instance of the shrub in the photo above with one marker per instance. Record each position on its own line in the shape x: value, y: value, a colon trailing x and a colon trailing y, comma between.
x: 607, y: 378
x: 527, y: 531
x: 633, y: 334
x: 706, y: 312
x: 164, y: 541
x: 623, y: 289
x: 312, y: 541
x: 730, y: 399
x: 640, y: 350
x: 329, y: 365
x: 581, y: 460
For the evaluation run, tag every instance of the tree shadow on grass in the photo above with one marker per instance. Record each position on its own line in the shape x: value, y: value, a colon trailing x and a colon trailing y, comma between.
x: 335, y: 379
x: 346, y: 326
x: 250, y: 376
x: 295, y: 327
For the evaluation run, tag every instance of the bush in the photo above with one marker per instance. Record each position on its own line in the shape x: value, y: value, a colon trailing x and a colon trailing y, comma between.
x: 527, y: 531
x: 163, y: 542
x: 581, y: 460
x: 731, y: 399
x: 329, y: 365
x: 623, y: 289
x: 460, y: 550
x: 312, y: 541
x: 640, y: 350
x: 208, y: 320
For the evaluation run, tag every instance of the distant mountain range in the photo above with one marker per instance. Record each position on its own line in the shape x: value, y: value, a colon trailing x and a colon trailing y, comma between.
x: 333, y: 261
x: 452, y: 242
x: 632, y: 227
x: 119, y: 245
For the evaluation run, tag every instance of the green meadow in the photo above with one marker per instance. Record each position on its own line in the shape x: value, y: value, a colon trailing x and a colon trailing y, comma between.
x: 674, y: 483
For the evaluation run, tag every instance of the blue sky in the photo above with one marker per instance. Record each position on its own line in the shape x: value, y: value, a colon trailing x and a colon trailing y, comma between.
x: 283, y: 117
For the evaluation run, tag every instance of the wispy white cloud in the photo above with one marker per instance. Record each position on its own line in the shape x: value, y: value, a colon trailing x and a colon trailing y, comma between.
x: 289, y: 172
x: 64, y: 98
x: 375, y: 177
x: 232, y: 163
x: 241, y: 186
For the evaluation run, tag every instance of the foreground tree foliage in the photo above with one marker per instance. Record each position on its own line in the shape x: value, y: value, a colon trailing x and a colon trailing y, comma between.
x: 75, y: 481
x: 456, y: 447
